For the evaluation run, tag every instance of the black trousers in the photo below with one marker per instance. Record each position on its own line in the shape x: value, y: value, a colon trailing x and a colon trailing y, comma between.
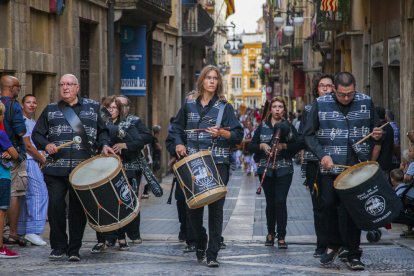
x: 183, y: 216
x: 131, y: 229
x: 215, y: 221
x: 276, y: 190
x: 313, y: 176
x: 337, y: 220
x: 58, y: 187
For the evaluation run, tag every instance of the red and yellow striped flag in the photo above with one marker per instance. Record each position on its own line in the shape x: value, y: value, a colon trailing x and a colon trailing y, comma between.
x: 329, y: 5
x: 230, y: 7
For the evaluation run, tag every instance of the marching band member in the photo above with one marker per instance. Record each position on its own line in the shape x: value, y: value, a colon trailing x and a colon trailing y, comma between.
x: 336, y: 122
x: 203, y: 111
x: 277, y: 180
x: 59, y: 123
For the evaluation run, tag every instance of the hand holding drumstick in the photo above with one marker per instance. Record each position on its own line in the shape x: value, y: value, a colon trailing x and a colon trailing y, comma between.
x: 52, y: 148
x: 376, y: 134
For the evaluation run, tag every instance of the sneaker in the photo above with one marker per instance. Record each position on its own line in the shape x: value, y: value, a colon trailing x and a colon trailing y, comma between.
x: 213, y: 263
x: 407, y: 234
x: 98, y: 248
x: 137, y: 241
x: 282, y: 245
x: 7, y: 253
x: 35, y: 239
x: 355, y: 264
x: 57, y: 254
x: 328, y: 258
x: 74, y: 258
x: 189, y: 248
x: 343, y: 254
x: 201, y: 255
x: 123, y: 246
x: 270, y: 240
x: 223, y: 245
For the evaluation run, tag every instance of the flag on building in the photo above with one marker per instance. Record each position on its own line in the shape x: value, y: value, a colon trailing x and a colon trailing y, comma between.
x: 230, y: 7
x: 329, y: 5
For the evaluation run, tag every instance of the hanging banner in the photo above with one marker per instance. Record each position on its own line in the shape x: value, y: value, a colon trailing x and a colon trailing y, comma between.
x: 133, y: 61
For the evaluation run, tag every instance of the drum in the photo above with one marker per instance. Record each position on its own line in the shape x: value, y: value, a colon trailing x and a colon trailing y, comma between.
x: 199, y: 179
x: 367, y: 195
x: 104, y: 192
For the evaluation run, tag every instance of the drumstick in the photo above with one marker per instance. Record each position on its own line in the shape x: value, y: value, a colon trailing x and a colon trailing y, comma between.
x: 369, y: 135
x: 341, y: 166
x: 76, y: 140
x: 204, y: 129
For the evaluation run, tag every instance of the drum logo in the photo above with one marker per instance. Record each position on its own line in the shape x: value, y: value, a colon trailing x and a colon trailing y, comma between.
x: 202, y: 174
x: 375, y: 205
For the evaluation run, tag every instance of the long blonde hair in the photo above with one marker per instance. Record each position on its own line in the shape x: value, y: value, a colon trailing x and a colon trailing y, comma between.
x: 202, y: 77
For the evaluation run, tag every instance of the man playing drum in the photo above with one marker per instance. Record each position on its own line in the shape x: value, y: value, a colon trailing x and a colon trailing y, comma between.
x: 56, y: 125
x: 202, y: 112
x: 335, y: 123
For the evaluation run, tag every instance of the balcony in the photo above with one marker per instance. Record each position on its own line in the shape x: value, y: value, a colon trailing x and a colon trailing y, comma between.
x: 143, y: 11
x: 296, y: 52
x: 197, y: 25
x: 322, y: 40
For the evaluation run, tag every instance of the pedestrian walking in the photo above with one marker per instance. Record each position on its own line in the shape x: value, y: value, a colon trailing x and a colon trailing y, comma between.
x: 33, y: 211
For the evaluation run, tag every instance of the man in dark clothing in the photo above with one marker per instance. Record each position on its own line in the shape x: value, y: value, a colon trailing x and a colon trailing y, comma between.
x: 336, y: 122
x: 51, y: 130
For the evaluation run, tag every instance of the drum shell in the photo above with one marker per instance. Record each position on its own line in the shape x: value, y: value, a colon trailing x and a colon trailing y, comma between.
x: 109, y: 204
x: 358, y: 201
x: 199, y: 195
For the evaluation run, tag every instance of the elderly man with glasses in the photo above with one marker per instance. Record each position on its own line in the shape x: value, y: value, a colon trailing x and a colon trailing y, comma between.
x: 335, y: 122
x: 58, y: 124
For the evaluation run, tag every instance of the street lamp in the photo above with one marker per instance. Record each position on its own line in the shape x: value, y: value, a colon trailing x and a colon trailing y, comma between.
x: 293, y: 19
x: 234, y: 45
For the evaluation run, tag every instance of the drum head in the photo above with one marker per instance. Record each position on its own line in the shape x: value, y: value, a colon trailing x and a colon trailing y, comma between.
x: 95, y: 170
x: 356, y: 175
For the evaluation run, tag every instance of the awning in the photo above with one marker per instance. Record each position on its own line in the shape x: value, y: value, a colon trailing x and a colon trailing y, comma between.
x: 230, y: 7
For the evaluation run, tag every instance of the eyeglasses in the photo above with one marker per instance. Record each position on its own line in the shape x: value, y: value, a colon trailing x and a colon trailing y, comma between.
x: 112, y: 108
x: 322, y: 85
x: 67, y: 84
x: 15, y: 85
x: 343, y: 95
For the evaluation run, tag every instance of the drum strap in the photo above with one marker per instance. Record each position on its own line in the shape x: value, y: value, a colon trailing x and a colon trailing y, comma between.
x: 220, y: 115
x: 76, y: 124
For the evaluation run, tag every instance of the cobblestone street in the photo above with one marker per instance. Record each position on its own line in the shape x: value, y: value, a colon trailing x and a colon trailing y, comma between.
x: 244, y: 232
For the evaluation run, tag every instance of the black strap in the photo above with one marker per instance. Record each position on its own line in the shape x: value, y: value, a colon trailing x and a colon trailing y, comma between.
x: 76, y: 124
x: 220, y: 115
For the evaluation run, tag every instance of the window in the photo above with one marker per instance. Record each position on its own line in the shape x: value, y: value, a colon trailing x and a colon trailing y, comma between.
x: 252, y: 83
x: 236, y: 83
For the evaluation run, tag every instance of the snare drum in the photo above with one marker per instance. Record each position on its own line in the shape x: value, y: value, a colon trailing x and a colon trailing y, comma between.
x: 104, y: 192
x: 367, y: 195
x: 199, y: 179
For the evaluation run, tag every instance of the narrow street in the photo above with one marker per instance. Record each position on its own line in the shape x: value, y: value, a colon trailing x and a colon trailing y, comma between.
x: 244, y: 233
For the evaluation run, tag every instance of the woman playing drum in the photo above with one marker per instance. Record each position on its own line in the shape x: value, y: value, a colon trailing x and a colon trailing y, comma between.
x: 203, y: 112
x: 277, y: 179
x: 127, y: 141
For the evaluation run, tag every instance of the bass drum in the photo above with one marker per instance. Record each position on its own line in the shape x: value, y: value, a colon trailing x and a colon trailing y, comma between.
x: 367, y: 196
x: 107, y: 198
x: 199, y: 179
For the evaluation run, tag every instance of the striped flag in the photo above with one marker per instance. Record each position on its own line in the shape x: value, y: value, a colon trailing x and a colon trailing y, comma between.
x: 230, y: 7
x: 329, y: 5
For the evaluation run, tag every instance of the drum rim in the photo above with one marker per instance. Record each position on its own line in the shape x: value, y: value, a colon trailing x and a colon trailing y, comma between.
x: 190, y: 157
x: 99, y: 182
x: 120, y: 224
x: 351, y: 169
x: 193, y: 201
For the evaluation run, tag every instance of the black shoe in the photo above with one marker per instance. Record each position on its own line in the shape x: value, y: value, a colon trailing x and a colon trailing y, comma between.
x: 123, y: 246
x: 281, y: 244
x: 355, y: 264
x: 57, y: 254
x: 189, y: 248
x: 319, y: 252
x: 74, y: 258
x: 201, y: 255
x: 328, y: 258
x: 98, y: 248
x: 223, y: 245
x: 213, y: 263
x: 270, y: 240
x: 343, y: 254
